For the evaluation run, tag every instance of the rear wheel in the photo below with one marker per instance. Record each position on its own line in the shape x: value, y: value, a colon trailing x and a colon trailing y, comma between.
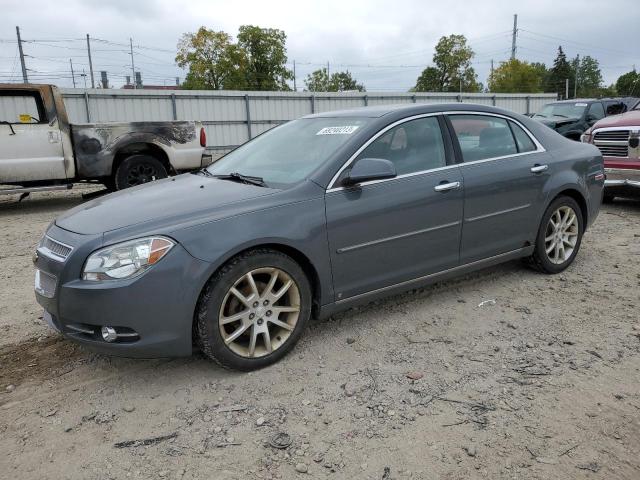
x: 254, y: 310
x: 137, y: 170
x: 559, y: 236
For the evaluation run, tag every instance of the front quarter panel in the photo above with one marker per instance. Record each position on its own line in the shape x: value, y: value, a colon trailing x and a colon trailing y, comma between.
x: 299, y: 225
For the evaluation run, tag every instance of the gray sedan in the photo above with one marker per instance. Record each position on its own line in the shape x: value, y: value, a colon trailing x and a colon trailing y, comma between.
x: 314, y: 216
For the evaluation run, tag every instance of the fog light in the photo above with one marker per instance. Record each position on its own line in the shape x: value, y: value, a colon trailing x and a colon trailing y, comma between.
x: 109, y: 334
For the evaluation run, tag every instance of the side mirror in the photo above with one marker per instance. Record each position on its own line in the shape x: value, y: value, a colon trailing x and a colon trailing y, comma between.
x: 367, y: 169
x: 591, y: 119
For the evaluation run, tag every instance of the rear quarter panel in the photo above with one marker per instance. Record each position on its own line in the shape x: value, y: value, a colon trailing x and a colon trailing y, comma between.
x: 96, y: 145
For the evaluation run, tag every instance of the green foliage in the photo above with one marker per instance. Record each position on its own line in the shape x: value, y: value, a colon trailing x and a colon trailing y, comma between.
x: 558, y: 74
x: 628, y: 85
x: 267, y: 56
x: 319, y: 81
x: 452, y: 68
x: 256, y: 62
x: 515, y: 76
x: 589, y: 77
x: 214, y: 62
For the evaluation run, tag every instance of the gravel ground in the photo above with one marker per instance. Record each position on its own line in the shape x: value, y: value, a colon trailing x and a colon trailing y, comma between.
x: 505, y: 373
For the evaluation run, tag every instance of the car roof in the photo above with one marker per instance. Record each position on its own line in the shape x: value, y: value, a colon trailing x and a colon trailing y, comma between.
x: 378, y: 111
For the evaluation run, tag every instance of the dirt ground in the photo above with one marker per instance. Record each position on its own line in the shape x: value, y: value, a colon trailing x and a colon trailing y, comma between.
x: 505, y: 373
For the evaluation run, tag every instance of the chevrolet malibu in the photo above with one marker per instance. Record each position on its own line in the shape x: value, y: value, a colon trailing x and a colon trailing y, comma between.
x: 314, y: 216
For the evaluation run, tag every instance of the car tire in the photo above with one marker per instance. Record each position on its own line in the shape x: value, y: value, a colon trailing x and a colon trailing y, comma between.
x: 556, y: 248
x: 242, y: 344
x: 137, y: 170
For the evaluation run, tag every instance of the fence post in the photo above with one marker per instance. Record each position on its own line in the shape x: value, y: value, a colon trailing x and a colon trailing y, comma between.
x: 86, y: 106
x: 313, y: 104
x: 528, y: 104
x: 173, y: 106
x: 413, y: 98
x: 246, y: 105
x: 366, y: 100
x: 493, y: 100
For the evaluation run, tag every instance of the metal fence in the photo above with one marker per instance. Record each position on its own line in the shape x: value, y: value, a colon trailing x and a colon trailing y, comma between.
x: 231, y: 117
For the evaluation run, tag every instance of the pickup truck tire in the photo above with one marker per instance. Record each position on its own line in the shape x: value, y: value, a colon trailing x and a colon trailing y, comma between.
x: 137, y: 170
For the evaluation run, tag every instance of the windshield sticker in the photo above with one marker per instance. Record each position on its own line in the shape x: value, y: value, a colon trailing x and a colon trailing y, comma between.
x: 346, y: 130
x: 581, y: 104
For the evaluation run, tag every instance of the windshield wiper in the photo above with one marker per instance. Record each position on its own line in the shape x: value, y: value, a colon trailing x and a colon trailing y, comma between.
x: 238, y: 177
x: 560, y: 115
x: 4, y: 122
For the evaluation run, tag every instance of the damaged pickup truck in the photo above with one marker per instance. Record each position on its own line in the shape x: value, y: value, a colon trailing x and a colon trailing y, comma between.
x: 41, y: 150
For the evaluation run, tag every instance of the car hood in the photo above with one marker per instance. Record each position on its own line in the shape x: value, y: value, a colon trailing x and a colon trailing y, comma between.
x: 555, y: 122
x: 169, y: 200
x: 628, y: 119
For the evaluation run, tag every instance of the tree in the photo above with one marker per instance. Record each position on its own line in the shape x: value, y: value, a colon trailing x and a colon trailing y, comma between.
x: 266, y: 58
x: 558, y: 74
x: 452, y: 70
x: 214, y: 62
x: 515, y: 76
x: 628, y: 84
x: 589, y: 77
x: 319, y: 81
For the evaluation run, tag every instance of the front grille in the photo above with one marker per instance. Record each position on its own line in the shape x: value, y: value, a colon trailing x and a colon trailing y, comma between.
x: 612, y: 135
x: 614, y: 150
x: 45, y: 284
x: 54, y: 249
x: 612, y: 143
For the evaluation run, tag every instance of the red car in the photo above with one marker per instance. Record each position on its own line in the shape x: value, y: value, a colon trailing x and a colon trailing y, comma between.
x: 618, y: 138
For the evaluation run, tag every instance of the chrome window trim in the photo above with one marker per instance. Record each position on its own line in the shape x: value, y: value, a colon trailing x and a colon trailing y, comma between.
x: 332, y: 184
x: 52, y: 255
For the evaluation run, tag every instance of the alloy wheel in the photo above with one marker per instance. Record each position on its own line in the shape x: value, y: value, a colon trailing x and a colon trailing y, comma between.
x: 142, y: 173
x: 259, y: 312
x: 561, y: 236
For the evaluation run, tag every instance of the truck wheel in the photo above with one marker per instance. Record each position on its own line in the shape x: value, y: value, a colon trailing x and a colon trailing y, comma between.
x: 137, y: 170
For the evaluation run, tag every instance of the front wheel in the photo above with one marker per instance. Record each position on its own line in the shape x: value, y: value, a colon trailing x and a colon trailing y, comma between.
x: 559, y: 236
x: 253, y: 310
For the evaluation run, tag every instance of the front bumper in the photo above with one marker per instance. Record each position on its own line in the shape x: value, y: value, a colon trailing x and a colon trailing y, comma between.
x: 621, y: 181
x: 153, y: 313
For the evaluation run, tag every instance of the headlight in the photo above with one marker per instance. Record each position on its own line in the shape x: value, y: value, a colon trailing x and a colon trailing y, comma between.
x: 125, y: 260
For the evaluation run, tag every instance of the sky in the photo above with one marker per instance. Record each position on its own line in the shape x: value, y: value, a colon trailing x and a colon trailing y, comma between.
x: 384, y: 44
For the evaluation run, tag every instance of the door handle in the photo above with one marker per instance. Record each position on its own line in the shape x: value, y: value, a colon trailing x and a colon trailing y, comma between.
x: 445, y: 187
x: 539, y: 168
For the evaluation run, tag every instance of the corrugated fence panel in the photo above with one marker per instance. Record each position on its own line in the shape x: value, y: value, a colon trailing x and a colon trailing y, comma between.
x: 229, y: 115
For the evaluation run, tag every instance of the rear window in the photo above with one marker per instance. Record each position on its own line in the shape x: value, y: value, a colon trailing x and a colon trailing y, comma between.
x: 19, y: 108
x: 481, y: 137
x: 524, y: 142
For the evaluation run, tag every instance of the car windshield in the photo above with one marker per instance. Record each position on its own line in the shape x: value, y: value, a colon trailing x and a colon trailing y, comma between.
x: 566, y: 110
x: 289, y: 153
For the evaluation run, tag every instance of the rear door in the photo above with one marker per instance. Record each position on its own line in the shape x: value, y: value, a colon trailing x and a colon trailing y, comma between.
x: 504, y: 170
x: 30, y: 148
x: 386, y: 232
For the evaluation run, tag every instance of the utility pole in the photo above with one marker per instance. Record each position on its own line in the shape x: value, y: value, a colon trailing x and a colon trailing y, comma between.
x: 575, y: 84
x: 566, y: 89
x: 84, y: 75
x: 513, y: 38
x: 295, y: 88
x: 24, y: 67
x: 93, y: 85
x: 133, y: 68
x: 491, y: 76
x: 328, y: 74
x: 73, y: 77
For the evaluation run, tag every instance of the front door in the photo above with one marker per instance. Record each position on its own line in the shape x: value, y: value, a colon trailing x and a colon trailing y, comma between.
x: 504, y: 171
x: 30, y: 148
x: 386, y: 232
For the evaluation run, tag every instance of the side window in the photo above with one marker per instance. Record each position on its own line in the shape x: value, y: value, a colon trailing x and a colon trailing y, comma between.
x: 412, y: 146
x: 596, y: 111
x: 19, y: 108
x: 525, y: 144
x: 483, y: 137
